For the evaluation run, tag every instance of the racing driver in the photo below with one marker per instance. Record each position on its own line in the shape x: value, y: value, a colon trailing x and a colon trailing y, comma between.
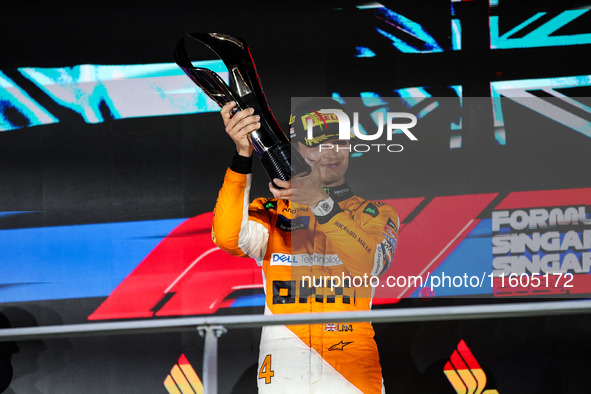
x: 318, y: 245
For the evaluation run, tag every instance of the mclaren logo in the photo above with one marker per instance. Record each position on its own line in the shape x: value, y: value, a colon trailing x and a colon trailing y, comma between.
x: 183, y: 378
x: 270, y: 204
x: 464, y: 373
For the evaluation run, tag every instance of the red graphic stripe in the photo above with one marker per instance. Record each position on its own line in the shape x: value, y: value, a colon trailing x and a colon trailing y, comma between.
x: 431, y: 236
x: 198, y: 278
x: 546, y: 198
x: 404, y: 206
x: 204, y: 290
x: 144, y: 288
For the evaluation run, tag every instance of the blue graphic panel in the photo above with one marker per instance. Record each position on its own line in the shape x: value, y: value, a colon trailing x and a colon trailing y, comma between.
x: 126, y: 91
x: 18, y: 109
x: 251, y: 300
x: 74, y: 261
x: 472, y: 257
x: 364, y: 52
x: 521, y: 91
x: 541, y: 36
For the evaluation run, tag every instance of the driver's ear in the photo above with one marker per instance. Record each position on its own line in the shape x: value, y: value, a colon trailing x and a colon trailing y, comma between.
x: 298, y: 145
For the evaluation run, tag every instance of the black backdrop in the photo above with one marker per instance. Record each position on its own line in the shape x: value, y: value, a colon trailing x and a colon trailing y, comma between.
x: 171, y: 167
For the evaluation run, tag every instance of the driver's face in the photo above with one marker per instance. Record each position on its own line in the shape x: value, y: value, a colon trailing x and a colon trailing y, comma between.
x: 332, y: 162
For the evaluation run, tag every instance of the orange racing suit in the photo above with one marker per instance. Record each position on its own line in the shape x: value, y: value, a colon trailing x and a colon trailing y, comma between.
x: 303, y: 257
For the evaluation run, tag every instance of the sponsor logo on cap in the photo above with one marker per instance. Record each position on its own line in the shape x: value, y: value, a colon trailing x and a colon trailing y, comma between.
x: 318, y: 119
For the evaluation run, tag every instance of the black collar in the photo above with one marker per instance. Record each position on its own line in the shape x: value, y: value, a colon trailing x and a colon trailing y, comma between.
x: 339, y: 193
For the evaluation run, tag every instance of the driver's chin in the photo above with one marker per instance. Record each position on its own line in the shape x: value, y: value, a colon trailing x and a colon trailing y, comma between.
x: 331, y: 179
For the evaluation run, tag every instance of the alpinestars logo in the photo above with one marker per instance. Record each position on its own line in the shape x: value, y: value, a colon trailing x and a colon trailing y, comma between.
x: 464, y: 373
x: 339, y: 346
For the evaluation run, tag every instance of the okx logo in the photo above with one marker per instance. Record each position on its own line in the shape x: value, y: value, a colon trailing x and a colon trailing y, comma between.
x: 464, y: 373
x: 183, y: 379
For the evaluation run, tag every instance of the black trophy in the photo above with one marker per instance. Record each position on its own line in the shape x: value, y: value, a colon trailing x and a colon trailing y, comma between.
x: 269, y: 141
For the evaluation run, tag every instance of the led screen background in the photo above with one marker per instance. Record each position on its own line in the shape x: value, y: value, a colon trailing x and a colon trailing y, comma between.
x: 106, y: 150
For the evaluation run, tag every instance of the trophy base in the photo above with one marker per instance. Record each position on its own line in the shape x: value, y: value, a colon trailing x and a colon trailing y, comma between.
x: 276, y: 162
x: 283, y: 163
